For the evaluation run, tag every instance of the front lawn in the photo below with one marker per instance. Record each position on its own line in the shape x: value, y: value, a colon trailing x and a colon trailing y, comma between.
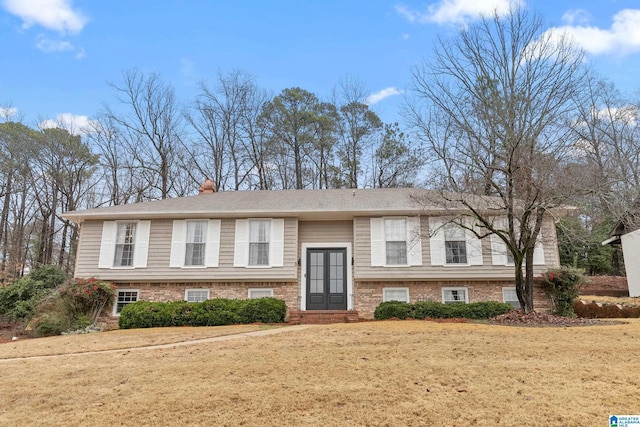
x: 413, y: 373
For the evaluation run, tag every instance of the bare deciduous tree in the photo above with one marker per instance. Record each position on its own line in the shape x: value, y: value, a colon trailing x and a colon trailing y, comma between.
x: 492, y: 107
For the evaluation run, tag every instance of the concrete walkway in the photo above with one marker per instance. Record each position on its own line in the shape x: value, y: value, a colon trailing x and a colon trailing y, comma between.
x: 171, y: 345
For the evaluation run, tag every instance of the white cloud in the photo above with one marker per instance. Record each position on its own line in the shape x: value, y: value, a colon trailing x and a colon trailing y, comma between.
x: 51, y: 46
x: 622, y: 38
x: 8, y: 112
x: 48, y: 46
x: 374, y: 98
x: 576, y: 16
x: 457, y: 11
x: 57, y: 15
x: 75, y: 124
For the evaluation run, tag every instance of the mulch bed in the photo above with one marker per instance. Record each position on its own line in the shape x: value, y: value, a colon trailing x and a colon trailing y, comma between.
x: 518, y: 318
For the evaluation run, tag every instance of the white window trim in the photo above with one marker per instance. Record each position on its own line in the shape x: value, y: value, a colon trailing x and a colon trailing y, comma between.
x: 106, y: 256
x: 115, y: 303
x: 456, y: 288
x: 384, y: 291
x: 186, y: 292
x: 413, y: 243
x: 177, y: 256
x: 276, y: 243
x: 303, y: 270
x: 473, y: 245
x: 250, y: 290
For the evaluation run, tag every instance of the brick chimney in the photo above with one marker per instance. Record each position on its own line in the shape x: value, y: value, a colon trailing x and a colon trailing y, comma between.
x: 207, y: 187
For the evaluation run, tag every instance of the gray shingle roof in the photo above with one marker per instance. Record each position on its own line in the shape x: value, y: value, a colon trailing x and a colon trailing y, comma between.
x: 306, y: 204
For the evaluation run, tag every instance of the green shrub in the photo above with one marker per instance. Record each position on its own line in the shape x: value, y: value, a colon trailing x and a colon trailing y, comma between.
x: 433, y: 310
x: 264, y: 310
x: 562, y: 286
x: 391, y: 309
x: 19, y: 300
x: 214, y: 312
x: 438, y: 310
x: 51, y: 323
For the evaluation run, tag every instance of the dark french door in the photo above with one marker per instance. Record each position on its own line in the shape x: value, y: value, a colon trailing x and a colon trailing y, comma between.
x: 327, y: 279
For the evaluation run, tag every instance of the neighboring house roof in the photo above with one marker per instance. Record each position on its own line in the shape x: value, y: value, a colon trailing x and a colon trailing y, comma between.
x: 303, y: 204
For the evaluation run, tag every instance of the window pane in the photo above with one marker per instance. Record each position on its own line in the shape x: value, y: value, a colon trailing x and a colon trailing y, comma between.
x: 258, y: 253
x: 316, y: 272
x: 124, y: 298
x: 197, y: 295
x: 455, y: 296
x: 196, y: 231
x: 452, y: 232
x: 456, y: 252
x: 259, y: 231
x: 510, y: 296
x: 395, y: 229
x: 260, y: 293
x: 125, y: 238
x: 336, y: 268
x: 396, y: 253
x: 396, y: 295
x: 194, y: 254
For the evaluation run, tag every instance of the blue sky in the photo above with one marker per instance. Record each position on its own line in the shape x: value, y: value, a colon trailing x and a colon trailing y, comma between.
x: 58, y: 56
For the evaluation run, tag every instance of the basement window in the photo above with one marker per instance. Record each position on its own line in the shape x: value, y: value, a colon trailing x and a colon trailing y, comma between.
x: 124, y: 297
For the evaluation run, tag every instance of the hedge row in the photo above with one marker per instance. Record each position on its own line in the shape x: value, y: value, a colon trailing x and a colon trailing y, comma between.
x: 438, y: 310
x: 213, y: 312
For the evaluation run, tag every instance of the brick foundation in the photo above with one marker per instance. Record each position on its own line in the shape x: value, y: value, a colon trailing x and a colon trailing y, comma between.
x: 368, y: 294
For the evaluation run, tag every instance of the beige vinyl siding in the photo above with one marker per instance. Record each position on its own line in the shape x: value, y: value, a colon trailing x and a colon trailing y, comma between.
x: 160, y: 249
x: 325, y: 231
x: 364, y: 270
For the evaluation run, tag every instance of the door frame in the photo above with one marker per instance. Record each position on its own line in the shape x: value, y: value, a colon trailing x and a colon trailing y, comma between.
x: 303, y: 270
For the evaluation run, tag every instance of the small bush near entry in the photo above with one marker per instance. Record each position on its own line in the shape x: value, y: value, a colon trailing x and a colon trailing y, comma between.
x: 214, y: 312
x: 562, y: 286
x: 390, y: 309
x: 438, y: 310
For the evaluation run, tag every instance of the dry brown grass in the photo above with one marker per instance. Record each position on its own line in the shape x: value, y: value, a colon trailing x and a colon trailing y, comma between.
x: 614, y: 300
x: 412, y: 373
x: 115, y: 340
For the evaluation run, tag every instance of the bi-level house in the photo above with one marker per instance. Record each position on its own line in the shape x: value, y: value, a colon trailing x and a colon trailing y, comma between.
x: 337, y: 253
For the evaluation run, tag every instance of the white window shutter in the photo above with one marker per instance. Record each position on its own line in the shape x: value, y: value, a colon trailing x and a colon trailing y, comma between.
x: 212, y: 249
x: 178, y: 242
x: 414, y: 241
x: 474, y: 247
x: 141, y: 250
x: 498, y: 251
x: 378, y: 254
x: 241, y: 251
x: 276, y: 243
x: 436, y: 242
x: 538, y: 254
x: 107, y: 244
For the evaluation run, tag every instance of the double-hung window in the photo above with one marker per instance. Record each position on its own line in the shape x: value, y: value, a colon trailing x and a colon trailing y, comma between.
x: 455, y: 245
x: 195, y: 243
x: 395, y: 236
x: 259, y: 242
x: 454, y: 295
x: 125, y: 244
